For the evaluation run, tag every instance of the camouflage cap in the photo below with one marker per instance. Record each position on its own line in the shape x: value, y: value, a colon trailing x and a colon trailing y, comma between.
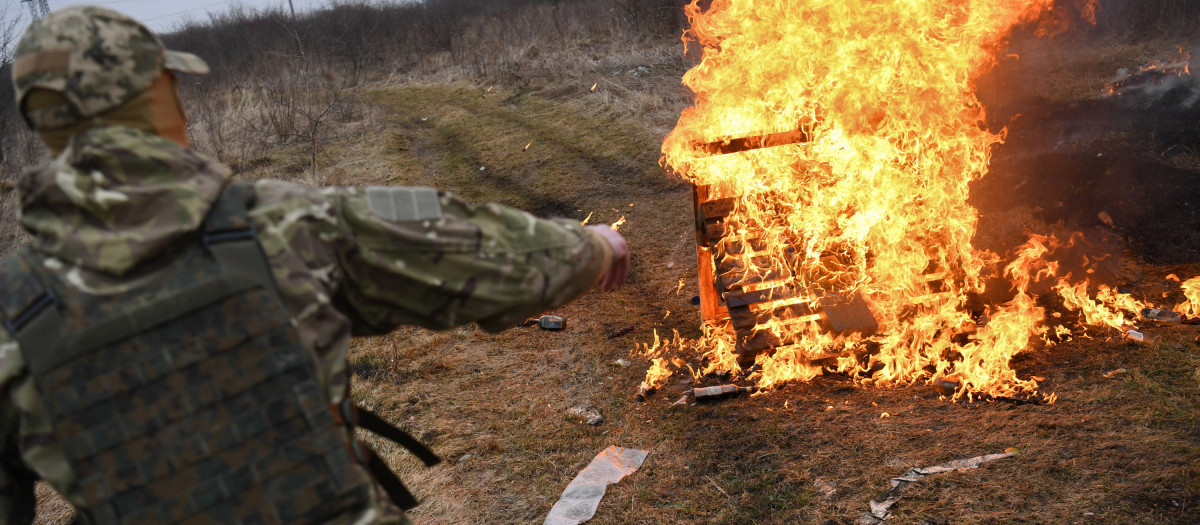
x: 97, y: 58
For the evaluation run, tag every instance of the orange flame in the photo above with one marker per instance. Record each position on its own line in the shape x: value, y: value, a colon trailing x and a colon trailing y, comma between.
x: 868, y: 193
x: 1191, y: 290
x: 875, y: 201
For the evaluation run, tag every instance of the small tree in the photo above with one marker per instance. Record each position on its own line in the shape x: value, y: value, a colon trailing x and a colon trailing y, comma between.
x: 8, y: 33
x: 9, y: 23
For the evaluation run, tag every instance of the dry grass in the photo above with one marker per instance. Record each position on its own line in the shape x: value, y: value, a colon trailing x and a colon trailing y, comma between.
x: 1112, y: 450
x: 1119, y: 449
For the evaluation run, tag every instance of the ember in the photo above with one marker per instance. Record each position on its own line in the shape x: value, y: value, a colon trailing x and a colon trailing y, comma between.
x: 831, y: 145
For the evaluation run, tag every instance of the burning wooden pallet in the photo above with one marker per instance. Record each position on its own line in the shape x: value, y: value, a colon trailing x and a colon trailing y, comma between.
x: 752, y: 299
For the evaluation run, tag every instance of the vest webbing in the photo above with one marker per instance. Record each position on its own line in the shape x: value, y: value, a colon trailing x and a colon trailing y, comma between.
x: 190, y: 399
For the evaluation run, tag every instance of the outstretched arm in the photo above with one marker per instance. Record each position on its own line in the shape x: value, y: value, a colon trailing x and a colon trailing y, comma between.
x: 418, y: 256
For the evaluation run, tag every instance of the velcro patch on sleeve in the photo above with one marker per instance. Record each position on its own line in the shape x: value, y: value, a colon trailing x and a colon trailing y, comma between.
x: 403, y: 204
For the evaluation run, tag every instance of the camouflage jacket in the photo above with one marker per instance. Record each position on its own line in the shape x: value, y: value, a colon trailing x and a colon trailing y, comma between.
x: 348, y: 261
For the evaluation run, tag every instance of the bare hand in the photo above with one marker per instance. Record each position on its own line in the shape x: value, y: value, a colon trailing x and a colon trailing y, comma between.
x: 618, y: 270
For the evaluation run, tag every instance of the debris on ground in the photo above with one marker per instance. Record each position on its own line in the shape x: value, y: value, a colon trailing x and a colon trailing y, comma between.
x: 1155, y: 315
x: 1114, y: 373
x: 824, y: 489
x: 580, y: 499
x: 1141, y: 338
x: 716, y: 392
x: 882, y: 504
x: 644, y: 391
x: 682, y: 401
x: 589, y: 415
x: 945, y: 387
x: 548, y: 322
x: 623, y: 363
x: 620, y: 332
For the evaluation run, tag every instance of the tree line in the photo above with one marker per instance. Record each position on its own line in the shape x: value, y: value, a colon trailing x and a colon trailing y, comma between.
x: 298, y: 70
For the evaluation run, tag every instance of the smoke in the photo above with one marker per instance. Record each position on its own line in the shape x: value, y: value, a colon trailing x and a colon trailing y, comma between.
x: 1117, y: 161
x: 1165, y: 85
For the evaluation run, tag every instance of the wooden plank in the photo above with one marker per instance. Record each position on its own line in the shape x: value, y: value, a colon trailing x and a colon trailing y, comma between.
x: 736, y: 281
x: 738, y: 246
x: 848, y: 314
x: 735, y: 264
x: 723, y: 285
x: 699, y: 194
x: 753, y: 142
x: 718, y: 208
x: 733, y: 299
x: 762, y: 340
x: 715, y: 229
x: 743, y: 318
x: 710, y: 309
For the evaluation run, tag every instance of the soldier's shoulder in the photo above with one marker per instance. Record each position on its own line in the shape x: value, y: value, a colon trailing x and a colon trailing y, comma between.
x: 286, y: 210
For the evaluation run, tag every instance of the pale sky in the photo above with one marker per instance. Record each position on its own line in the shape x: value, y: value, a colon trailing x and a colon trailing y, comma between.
x: 163, y: 15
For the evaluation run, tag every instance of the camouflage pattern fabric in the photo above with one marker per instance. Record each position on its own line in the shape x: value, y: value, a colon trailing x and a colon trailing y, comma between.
x: 97, y: 58
x: 116, y: 197
x: 188, y: 399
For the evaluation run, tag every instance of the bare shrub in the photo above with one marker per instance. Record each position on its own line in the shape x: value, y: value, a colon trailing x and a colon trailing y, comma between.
x: 18, y: 146
x: 1148, y: 16
x: 283, y: 81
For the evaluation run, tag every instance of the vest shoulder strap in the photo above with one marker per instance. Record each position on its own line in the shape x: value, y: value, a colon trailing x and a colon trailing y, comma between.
x: 30, y: 308
x: 231, y: 238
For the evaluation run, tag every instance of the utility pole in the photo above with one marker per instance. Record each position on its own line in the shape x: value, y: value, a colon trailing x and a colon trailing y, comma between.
x: 38, y: 8
x: 290, y: 4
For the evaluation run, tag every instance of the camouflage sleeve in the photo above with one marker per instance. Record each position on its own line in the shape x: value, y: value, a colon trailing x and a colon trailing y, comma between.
x: 17, y: 500
x: 419, y: 256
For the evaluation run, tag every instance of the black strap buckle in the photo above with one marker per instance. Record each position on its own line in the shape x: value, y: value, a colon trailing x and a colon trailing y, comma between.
x: 46, y: 299
x: 207, y: 239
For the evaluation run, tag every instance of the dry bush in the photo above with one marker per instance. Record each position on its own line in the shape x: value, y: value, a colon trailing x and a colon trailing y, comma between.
x: 280, y: 81
x: 1147, y: 16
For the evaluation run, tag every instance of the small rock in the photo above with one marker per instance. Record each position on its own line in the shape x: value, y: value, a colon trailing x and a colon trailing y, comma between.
x: 622, y: 362
x: 589, y: 415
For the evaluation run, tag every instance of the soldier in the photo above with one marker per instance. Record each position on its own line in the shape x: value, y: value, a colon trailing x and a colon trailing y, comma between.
x: 174, y: 343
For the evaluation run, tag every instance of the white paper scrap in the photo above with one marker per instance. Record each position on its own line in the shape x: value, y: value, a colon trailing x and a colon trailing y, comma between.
x: 579, y: 501
x: 881, y: 506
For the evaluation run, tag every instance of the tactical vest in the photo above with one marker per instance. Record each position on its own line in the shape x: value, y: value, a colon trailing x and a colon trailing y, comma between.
x: 191, y: 399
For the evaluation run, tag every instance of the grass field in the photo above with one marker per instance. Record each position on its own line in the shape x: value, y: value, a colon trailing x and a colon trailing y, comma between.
x: 1121, y: 444
x: 1118, y: 447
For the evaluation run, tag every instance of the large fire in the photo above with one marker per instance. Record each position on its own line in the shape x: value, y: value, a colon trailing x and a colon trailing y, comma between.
x: 867, y: 196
